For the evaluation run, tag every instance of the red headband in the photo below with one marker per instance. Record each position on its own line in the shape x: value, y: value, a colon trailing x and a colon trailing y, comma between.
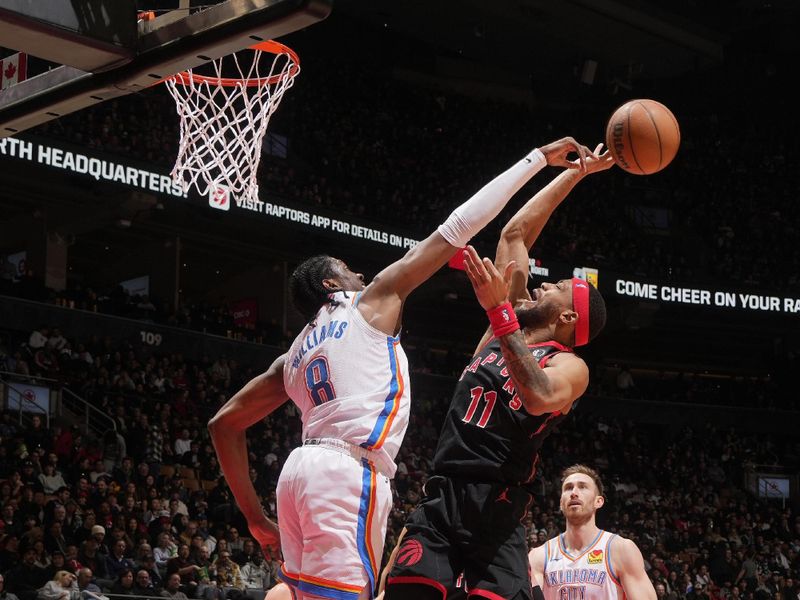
x: 580, y: 304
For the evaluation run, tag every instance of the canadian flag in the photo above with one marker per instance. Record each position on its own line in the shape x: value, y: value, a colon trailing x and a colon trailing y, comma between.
x: 13, y: 69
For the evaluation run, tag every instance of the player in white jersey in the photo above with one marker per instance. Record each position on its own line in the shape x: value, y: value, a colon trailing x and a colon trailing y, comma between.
x: 584, y: 562
x: 348, y: 374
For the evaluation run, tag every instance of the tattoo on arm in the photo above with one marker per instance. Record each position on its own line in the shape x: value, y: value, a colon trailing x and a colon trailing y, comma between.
x: 525, y: 371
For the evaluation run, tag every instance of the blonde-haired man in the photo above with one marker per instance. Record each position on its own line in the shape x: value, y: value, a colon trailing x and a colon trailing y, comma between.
x: 585, y: 562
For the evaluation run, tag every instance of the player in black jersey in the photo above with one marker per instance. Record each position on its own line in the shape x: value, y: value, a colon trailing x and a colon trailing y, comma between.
x: 522, y: 382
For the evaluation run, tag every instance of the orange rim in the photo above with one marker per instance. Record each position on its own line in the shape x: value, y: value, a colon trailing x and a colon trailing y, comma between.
x: 271, y: 46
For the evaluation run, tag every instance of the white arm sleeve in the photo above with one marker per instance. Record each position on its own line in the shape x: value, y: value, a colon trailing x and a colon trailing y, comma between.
x: 472, y: 216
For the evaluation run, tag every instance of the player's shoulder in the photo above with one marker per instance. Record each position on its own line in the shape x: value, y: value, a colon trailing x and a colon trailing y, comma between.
x: 616, y: 539
x: 623, y: 550
x: 570, y: 365
x: 566, y: 356
x: 279, y: 363
x: 540, y: 551
x: 536, y: 555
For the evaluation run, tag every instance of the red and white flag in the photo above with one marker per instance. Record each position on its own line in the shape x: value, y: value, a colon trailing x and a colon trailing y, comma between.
x: 13, y: 69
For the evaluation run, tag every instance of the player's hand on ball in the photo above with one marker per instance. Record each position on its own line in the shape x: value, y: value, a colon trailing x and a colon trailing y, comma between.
x: 491, y: 288
x: 601, y: 161
x: 557, y: 153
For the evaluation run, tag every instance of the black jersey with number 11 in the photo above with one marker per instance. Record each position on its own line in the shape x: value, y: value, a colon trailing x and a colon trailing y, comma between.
x: 488, y: 436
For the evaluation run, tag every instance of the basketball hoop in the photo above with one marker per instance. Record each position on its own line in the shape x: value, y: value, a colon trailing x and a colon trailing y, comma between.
x: 224, y: 119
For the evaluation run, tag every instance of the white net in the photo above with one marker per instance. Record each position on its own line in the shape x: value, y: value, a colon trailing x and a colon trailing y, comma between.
x: 224, y: 117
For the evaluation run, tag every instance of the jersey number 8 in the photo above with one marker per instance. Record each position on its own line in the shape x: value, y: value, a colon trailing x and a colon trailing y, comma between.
x: 318, y: 382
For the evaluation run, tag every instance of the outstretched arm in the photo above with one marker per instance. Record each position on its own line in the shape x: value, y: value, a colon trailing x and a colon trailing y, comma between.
x: 260, y: 397
x: 628, y: 565
x: 523, y: 229
x: 541, y: 391
x: 382, y: 300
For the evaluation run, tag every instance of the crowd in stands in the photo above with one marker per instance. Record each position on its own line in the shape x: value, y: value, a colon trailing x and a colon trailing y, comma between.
x: 769, y: 391
x: 142, y: 509
x: 214, y: 319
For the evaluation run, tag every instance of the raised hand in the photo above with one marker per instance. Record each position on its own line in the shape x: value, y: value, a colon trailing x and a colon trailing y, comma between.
x: 557, y: 153
x: 602, y: 162
x: 491, y: 288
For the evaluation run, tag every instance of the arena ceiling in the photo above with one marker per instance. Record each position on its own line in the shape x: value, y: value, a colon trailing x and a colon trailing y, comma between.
x: 628, y: 39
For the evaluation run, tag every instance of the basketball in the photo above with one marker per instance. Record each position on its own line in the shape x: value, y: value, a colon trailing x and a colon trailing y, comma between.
x: 643, y: 136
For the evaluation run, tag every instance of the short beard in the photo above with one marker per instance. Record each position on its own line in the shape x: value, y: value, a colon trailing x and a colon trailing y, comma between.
x: 536, y: 317
x: 577, y: 520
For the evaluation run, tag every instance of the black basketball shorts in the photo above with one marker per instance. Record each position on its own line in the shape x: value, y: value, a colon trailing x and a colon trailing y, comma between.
x: 470, y: 528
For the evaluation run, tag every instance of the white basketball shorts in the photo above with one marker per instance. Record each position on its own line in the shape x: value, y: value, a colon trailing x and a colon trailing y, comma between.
x: 333, y: 508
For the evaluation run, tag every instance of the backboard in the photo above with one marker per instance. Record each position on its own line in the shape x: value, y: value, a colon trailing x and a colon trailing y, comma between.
x: 106, y: 49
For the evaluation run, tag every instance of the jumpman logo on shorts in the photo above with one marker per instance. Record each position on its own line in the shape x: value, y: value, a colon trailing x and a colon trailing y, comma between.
x: 503, y: 497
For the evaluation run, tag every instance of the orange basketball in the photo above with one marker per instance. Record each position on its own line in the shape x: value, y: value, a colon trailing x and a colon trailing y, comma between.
x: 643, y: 136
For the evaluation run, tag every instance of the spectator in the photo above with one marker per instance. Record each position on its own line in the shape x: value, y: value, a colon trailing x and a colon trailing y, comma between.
x: 177, y: 506
x: 165, y: 550
x: 42, y: 555
x: 123, y: 585
x: 28, y: 475
x: 723, y: 568
x: 99, y: 535
x: 256, y: 577
x: 9, y: 551
x: 192, y: 458
x: 86, y: 584
x: 114, y: 451
x: 4, y: 595
x: 117, y: 562
x: 26, y: 579
x: 749, y: 570
x: 172, y: 588
x: 143, y: 585
x: 56, y: 342
x: 148, y: 565
x: 228, y: 574
x: 183, y: 443
x: 247, y: 551
x: 125, y: 471
x: 10, y: 522
x: 38, y: 338
x: 188, y: 571
x: 625, y: 382
x: 50, y: 480
x: 206, y: 576
x: 61, y: 587
x: 58, y: 562
x: 99, y: 472
x: 54, y: 539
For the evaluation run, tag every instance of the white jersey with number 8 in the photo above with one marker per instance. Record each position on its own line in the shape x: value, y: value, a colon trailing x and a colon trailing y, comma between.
x: 350, y: 381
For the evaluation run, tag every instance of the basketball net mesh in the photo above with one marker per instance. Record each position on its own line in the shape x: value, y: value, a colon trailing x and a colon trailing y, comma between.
x: 224, y: 120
